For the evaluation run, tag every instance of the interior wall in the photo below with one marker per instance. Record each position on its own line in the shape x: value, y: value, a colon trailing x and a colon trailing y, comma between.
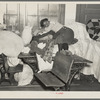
x: 2, y: 11
x: 70, y: 12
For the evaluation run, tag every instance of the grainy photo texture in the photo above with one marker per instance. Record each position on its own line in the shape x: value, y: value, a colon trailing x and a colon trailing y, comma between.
x: 49, y: 46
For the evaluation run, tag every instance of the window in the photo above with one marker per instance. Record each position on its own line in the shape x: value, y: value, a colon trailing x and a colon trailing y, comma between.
x: 11, y: 17
x: 17, y: 16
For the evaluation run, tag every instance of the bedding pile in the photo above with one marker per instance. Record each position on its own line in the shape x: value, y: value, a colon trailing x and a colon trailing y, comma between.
x: 87, y: 48
x: 12, y: 45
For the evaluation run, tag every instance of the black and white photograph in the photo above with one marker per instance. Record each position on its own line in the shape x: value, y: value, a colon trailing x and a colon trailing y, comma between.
x: 49, y: 46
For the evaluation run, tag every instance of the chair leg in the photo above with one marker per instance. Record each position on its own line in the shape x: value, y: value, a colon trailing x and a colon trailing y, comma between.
x: 4, y: 78
x: 67, y: 86
x: 13, y: 82
x: 63, y: 88
x: 57, y: 89
x: 60, y: 88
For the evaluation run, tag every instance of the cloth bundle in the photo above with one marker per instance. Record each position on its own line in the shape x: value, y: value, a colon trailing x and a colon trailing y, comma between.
x: 86, y: 48
x: 93, y: 28
x: 12, y: 45
x: 26, y: 35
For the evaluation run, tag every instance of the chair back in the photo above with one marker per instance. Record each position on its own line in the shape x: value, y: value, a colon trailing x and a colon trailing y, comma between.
x: 62, y: 66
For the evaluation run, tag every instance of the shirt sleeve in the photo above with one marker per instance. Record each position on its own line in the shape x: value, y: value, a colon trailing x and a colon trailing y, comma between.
x: 57, y: 26
x: 49, y: 28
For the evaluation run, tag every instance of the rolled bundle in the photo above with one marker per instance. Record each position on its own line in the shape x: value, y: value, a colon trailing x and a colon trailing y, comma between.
x: 93, y: 28
x: 10, y: 44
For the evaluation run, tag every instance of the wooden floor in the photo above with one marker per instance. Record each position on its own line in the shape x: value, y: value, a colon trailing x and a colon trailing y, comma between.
x: 85, y: 86
x: 77, y: 85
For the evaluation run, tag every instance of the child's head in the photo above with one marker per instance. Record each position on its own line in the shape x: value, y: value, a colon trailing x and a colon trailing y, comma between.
x: 44, y: 23
x: 64, y: 49
x: 64, y: 46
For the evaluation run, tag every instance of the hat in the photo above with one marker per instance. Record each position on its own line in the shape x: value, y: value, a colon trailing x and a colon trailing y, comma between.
x: 66, y: 35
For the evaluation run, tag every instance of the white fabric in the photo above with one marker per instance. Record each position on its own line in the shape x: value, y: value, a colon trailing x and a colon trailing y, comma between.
x: 26, y: 50
x: 24, y: 77
x: 45, y: 66
x: 26, y: 35
x: 55, y: 26
x: 10, y: 44
x: 13, y: 61
x: 41, y: 45
x: 87, y: 48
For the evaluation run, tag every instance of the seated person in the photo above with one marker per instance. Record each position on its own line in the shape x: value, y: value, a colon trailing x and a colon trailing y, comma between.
x: 45, y: 44
x: 57, y: 31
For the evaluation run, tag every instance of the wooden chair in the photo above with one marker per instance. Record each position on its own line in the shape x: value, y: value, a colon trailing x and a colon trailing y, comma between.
x: 64, y: 69
x: 58, y: 77
x: 9, y: 71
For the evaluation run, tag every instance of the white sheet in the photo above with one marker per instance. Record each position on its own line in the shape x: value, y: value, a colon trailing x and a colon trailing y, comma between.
x: 12, y: 45
x: 26, y: 35
x: 87, y: 48
x: 44, y: 65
